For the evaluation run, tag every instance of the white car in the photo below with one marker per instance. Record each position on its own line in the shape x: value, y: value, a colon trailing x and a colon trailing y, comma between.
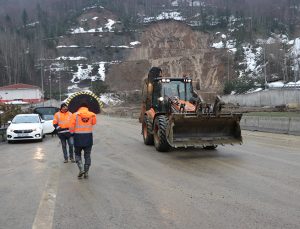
x: 47, y: 114
x: 48, y: 124
x: 25, y: 127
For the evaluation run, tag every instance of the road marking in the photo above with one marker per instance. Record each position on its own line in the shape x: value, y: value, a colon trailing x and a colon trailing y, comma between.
x: 45, y: 212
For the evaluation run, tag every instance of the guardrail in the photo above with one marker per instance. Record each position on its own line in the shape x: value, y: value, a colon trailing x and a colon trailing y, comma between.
x: 284, y: 125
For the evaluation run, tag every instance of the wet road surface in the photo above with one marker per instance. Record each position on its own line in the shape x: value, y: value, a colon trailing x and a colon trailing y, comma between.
x: 131, y: 185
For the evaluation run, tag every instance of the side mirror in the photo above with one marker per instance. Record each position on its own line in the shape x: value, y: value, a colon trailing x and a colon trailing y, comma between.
x: 42, y: 121
x: 9, y: 122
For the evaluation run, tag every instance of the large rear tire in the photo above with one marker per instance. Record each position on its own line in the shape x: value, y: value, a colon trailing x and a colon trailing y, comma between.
x: 160, y: 136
x: 146, y: 131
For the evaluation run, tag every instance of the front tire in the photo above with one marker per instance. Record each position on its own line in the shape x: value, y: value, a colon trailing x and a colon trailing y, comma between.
x: 146, y: 128
x: 160, y: 135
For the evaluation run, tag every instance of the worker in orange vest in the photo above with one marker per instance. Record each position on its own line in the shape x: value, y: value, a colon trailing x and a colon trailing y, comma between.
x: 62, y: 125
x: 82, y: 122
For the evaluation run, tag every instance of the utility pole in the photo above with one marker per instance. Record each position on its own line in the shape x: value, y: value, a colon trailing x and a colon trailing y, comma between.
x: 59, y: 86
x: 91, y: 84
x: 265, y: 66
x: 228, y: 65
x: 42, y: 79
x: 50, y: 86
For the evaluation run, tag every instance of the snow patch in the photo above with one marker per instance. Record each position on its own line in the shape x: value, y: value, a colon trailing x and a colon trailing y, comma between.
x: 164, y: 16
x: 71, y: 58
x: 175, y: 3
x: 85, y: 72
x: 277, y: 84
x: 254, y: 90
x: 65, y: 46
x: 101, y: 70
x: 135, y: 43
x: 33, y: 24
x: 110, y: 99
x: 120, y: 46
x: 218, y: 45
x: 252, y: 55
x: 107, y: 28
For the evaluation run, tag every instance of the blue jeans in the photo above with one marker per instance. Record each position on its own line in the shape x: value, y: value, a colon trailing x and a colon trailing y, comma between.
x: 64, y: 139
x: 87, y: 154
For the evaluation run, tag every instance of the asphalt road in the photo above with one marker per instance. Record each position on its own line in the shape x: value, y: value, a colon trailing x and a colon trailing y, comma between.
x: 255, y: 185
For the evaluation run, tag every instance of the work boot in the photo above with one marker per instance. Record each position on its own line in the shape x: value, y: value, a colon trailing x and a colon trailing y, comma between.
x: 81, y: 171
x: 66, y: 161
x: 72, y: 160
x: 86, y: 171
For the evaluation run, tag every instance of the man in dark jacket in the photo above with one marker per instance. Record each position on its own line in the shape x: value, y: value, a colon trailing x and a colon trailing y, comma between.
x: 62, y: 125
x: 82, y: 123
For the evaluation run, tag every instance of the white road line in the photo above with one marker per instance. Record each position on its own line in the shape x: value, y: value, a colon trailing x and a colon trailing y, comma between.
x: 45, y: 212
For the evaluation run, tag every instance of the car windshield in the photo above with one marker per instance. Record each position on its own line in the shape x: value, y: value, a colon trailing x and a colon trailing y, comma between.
x: 47, y: 117
x: 177, y: 88
x: 26, y: 119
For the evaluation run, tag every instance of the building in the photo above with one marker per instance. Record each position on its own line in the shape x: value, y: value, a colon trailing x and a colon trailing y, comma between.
x: 20, y: 93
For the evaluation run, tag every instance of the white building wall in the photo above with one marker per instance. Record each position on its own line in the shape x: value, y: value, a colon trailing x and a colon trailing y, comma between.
x: 20, y: 94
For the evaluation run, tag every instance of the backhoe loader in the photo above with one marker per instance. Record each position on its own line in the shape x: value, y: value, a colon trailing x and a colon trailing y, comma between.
x: 174, y: 115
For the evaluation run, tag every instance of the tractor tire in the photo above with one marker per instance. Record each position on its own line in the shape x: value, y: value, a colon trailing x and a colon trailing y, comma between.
x: 212, y: 147
x: 146, y: 129
x: 160, y: 136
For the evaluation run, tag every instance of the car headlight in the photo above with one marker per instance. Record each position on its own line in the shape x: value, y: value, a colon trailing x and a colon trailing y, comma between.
x: 10, y: 130
x: 34, y: 129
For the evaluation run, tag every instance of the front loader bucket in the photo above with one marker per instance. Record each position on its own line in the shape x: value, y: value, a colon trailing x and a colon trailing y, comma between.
x: 191, y: 130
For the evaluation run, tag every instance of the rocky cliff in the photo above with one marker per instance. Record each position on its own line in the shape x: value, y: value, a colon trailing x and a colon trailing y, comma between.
x: 178, y: 50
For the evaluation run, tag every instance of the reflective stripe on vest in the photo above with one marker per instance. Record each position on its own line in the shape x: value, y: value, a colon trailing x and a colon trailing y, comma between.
x: 81, y: 129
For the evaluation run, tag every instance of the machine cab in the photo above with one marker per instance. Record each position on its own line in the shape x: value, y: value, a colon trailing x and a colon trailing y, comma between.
x: 165, y: 89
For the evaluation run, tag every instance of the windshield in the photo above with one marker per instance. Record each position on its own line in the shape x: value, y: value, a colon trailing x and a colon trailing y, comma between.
x: 45, y: 110
x: 177, y: 88
x: 26, y: 119
x: 47, y: 117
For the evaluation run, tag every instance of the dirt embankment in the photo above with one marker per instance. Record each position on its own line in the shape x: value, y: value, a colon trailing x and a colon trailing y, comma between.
x: 178, y: 50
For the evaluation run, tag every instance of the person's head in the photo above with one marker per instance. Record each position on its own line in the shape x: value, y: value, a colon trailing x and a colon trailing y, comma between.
x: 63, y: 107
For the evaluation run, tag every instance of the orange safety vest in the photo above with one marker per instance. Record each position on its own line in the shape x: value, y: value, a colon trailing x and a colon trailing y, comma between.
x: 63, y: 120
x: 83, y: 121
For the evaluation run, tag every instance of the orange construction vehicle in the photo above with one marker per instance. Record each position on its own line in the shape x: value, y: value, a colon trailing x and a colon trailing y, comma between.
x: 173, y: 115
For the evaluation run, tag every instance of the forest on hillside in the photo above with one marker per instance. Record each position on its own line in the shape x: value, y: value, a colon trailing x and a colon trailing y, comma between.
x: 29, y: 29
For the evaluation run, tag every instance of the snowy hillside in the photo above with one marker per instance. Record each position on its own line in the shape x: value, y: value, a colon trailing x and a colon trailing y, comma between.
x: 257, y: 61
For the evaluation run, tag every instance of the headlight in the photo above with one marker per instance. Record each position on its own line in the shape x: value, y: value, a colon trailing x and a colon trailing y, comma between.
x: 34, y: 129
x: 10, y: 130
